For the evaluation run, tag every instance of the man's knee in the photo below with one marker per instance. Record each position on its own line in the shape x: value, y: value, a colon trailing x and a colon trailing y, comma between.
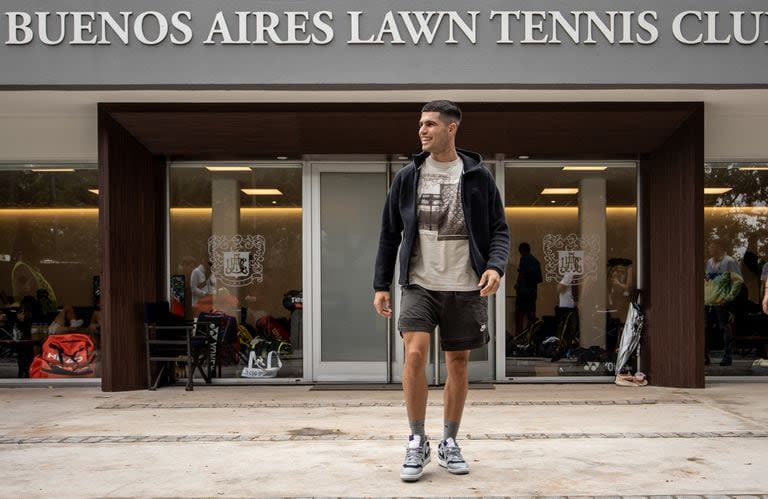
x: 415, y: 358
x: 456, y: 363
x: 416, y: 350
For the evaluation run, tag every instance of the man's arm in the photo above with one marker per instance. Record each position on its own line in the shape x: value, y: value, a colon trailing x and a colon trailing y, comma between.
x: 389, y: 239
x: 499, y: 247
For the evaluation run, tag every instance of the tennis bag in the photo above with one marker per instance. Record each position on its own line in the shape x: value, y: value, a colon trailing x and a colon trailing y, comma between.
x: 64, y: 356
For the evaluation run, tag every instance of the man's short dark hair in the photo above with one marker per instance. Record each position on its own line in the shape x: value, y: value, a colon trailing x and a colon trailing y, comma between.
x: 448, y: 110
x: 524, y: 248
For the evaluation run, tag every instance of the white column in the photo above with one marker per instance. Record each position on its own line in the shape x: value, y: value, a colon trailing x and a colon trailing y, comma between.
x: 593, y: 290
x: 225, y: 200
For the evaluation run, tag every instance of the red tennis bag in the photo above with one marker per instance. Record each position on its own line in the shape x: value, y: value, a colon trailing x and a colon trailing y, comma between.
x: 64, y: 356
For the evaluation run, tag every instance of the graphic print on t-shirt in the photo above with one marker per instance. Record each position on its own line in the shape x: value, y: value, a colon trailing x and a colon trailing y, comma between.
x: 440, y: 207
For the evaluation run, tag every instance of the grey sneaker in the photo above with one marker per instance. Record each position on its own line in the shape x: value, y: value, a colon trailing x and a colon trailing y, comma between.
x: 417, y: 456
x: 449, y: 457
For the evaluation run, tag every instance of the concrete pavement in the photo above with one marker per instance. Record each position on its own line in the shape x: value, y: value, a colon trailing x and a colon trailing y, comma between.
x: 247, y: 441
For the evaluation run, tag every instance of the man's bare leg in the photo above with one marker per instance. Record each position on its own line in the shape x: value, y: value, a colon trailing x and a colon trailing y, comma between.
x: 456, y: 386
x: 414, y: 377
x: 417, y: 454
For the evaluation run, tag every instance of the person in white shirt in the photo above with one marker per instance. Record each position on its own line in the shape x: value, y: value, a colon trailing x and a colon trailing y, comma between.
x: 202, y: 282
x: 565, y: 291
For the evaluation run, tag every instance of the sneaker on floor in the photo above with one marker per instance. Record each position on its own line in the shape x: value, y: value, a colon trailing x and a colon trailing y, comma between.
x: 449, y: 457
x: 417, y: 456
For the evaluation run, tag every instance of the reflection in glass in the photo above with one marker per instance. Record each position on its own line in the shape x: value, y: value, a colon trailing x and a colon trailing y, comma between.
x: 736, y: 268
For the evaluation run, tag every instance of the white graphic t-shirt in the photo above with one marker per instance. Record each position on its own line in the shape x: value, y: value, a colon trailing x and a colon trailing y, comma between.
x: 440, y: 259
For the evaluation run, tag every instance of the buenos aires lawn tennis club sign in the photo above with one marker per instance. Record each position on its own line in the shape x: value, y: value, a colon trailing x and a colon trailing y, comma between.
x: 392, y: 27
x: 281, y: 43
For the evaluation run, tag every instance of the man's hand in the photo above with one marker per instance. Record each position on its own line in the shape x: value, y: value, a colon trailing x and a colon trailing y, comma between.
x: 382, y: 304
x: 489, y: 282
x: 765, y: 303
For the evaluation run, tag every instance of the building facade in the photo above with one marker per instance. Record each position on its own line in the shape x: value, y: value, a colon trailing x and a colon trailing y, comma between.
x: 235, y: 158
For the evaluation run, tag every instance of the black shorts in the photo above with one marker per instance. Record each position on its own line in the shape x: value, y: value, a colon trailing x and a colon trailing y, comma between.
x: 461, y: 315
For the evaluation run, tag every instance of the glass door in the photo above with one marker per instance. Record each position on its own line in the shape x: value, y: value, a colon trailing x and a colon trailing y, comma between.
x: 350, y: 339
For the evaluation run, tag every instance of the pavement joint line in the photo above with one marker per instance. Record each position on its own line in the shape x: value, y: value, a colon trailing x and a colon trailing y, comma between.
x: 362, y: 404
x: 120, y: 439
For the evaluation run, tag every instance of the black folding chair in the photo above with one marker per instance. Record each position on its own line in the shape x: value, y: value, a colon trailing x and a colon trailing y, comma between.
x: 171, y: 339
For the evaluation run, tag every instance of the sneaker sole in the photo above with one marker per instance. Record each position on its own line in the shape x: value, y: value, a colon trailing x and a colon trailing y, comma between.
x: 452, y: 472
x: 414, y: 478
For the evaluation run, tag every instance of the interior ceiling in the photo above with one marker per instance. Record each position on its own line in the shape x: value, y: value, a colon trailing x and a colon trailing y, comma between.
x: 524, y: 184
x: 263, y: 131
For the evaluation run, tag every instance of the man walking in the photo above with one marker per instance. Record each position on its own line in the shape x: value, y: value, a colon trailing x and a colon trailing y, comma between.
x: 445, y: 209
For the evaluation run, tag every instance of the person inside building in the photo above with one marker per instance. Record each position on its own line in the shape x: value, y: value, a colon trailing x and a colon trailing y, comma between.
x: 722, y: 284
x: 451, y: 260
x: 202, y: 285
x: 66, y: 319
x: 528, y: 279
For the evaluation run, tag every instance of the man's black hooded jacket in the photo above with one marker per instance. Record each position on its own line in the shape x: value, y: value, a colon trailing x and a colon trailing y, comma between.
x: 483, y: 215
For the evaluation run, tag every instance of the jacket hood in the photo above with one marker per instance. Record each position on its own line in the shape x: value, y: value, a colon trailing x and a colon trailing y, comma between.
x: 472, y: 160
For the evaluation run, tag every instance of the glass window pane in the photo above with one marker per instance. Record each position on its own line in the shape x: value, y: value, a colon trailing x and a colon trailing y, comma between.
x: 236, y: 249
x: 736, y: 268
x: 49, y: 268
x: 572, y: 266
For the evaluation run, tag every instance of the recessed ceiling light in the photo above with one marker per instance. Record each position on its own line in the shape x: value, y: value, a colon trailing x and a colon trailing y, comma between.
x: 523, y: 157
x: 579, y: 168
x: 228, y: 168
x: 274, y: 202
x: 717, y: 190
x: 553, y: 201
x: 558, y: 191
x: 402, y: 157
x: 262, y: 192
x: 754, y: 168
x: 53, y: 170
x: 282, y: 158
x: 94, y: 191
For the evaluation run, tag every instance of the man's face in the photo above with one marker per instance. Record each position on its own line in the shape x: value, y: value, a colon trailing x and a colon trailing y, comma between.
x: 435, y: 134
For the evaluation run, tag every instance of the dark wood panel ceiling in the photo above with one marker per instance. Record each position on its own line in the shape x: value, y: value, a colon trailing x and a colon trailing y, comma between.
x: 263, y: 131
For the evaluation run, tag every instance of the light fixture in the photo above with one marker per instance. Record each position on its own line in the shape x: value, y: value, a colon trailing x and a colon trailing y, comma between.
x: 262, y: 192
x: 274, y: 202
x: 94, y: 191
x: 560, y: 191
x: 523, y: 157
x: 754, y: 168
x: 228, y: 168
x: 553, y: 201
x: 53, y: 170
x: 717, y: 190
x: 578, y: 168
x: 402, y: 157
x: 282, y: 158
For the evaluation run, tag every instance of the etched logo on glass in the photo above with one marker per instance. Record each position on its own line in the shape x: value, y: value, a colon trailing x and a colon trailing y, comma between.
x: 571, y: 254
x: 238, y: 260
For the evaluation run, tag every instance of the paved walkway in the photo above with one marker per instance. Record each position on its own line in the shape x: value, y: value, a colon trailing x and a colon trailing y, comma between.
x: 521, y: 440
